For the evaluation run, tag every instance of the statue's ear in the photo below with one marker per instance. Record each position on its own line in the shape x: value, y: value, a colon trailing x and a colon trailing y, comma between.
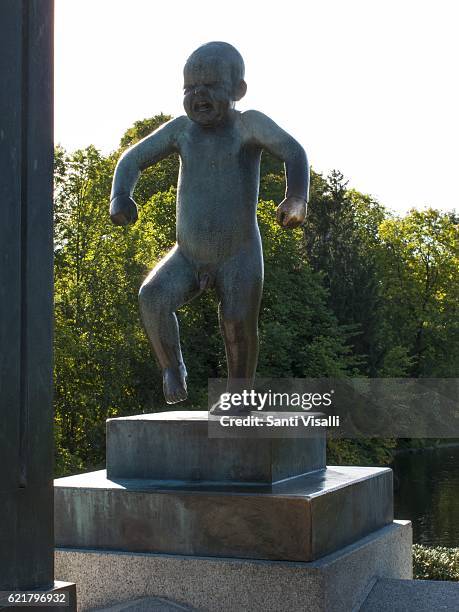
x: 241, y: 90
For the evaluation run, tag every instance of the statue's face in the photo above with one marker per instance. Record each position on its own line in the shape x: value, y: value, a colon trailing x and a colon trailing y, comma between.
x: 208, y: 92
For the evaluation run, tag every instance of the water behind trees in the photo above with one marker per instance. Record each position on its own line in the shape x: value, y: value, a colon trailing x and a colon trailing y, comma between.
x: 427, y: 493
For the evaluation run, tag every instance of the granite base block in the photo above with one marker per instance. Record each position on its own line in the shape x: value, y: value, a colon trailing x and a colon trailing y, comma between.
x: 300, y: 519
x: 412, y: 596
x: 336, y: 583
x: 146, y: 604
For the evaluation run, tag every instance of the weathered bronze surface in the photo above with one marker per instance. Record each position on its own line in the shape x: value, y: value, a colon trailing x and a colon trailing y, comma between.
x: 300, y: 519
x: 218, y: 241
x: 176, y: 446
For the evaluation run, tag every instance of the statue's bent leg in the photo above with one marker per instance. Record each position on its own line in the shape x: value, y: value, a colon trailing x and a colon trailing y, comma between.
x: 239, y: 287
x: 172, y: 283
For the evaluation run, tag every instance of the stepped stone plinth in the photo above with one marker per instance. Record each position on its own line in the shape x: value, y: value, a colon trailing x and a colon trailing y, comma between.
x: 173, y: 492
x: 170, y: 488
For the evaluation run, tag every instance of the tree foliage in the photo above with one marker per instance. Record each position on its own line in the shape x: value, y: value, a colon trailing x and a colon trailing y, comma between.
x: 419, y: 272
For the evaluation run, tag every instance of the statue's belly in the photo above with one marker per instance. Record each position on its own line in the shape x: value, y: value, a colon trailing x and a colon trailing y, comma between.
x: 216, y: 209
x: 209, y: 229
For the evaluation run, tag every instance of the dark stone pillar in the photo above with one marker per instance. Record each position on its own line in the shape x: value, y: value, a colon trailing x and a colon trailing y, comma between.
x: 26, y: 276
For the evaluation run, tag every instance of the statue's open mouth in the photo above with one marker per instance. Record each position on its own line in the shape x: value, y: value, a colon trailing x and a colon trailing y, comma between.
x: 203, y: 107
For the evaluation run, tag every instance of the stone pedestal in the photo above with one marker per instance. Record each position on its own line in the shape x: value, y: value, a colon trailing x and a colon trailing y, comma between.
x: 300, y: 519
x: 172, y: 492
x: 176, y: 446
x: 338, y: 582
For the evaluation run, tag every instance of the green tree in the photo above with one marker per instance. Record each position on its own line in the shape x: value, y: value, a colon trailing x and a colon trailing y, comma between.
x: 341, y: 238
x: 419, y: 271
x: 97, y: 332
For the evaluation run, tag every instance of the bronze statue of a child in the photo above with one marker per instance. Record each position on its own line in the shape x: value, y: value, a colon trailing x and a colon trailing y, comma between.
x: 218, y: 240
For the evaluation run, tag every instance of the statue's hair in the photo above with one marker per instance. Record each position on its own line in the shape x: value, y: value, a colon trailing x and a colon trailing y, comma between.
x: 221, y: 51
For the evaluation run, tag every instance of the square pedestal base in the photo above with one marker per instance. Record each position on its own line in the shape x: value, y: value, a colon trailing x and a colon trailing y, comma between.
x: 300, y: 519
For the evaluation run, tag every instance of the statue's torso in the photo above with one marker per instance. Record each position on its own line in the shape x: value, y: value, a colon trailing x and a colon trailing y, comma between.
x: 217, y: 190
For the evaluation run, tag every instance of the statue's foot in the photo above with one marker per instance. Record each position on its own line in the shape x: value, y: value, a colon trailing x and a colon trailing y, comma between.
x: 221, y: 408
x: 174, y: 384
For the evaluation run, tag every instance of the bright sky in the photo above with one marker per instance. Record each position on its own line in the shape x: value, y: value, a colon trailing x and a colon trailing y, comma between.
x: 369, y: 87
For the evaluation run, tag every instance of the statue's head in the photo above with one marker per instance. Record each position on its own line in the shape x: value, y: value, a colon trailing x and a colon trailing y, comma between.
x: 213, y: 82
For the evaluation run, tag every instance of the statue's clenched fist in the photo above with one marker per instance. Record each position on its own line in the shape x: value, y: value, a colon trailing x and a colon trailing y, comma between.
x: 291, y: 212
x: 123, y: 210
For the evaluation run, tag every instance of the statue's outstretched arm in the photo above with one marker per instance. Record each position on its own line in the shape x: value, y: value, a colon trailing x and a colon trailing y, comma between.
x: 148, y: 151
